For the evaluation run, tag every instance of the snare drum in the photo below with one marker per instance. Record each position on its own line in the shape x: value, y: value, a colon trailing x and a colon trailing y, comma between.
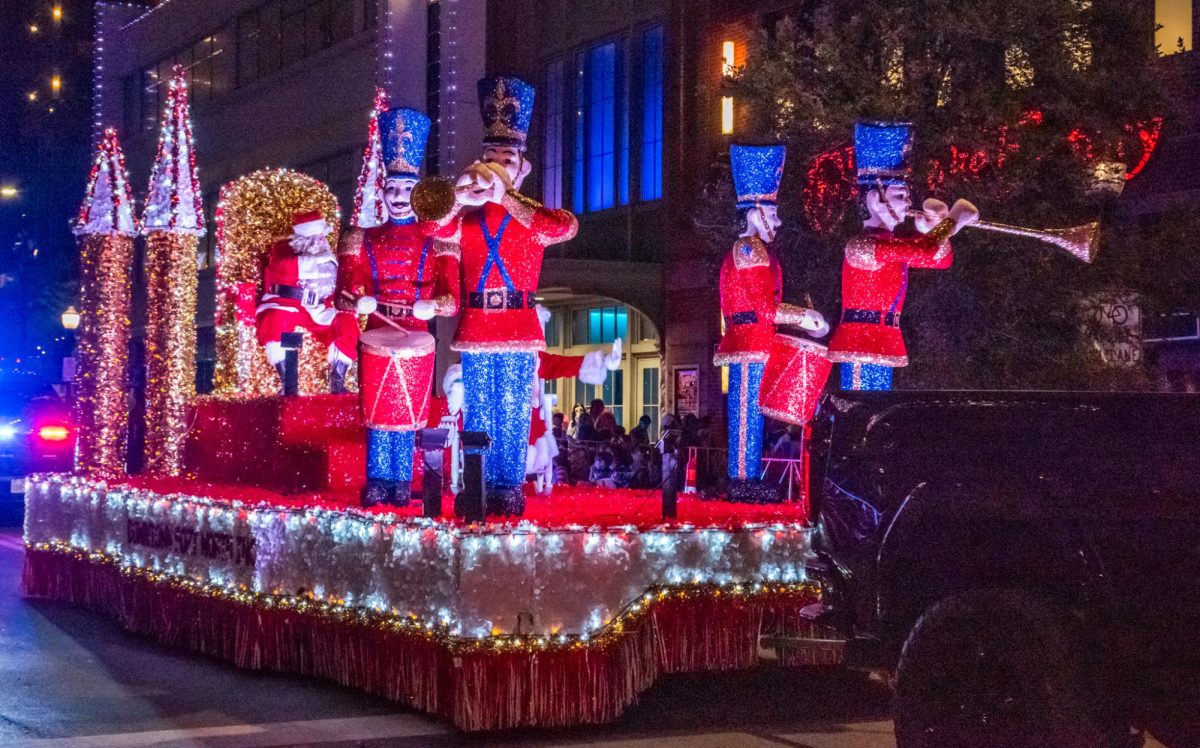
x: 395, y: 378
x: 793, y: 379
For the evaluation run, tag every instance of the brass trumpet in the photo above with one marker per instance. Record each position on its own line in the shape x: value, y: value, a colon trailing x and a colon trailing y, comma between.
x: 1081, y: 241
x: 433, y: 198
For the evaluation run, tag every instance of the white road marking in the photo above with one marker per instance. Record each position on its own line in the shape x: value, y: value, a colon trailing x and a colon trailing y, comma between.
x: 246, y: 736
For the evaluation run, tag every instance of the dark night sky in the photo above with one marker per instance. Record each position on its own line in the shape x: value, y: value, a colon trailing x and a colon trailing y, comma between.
x: 44, y: 152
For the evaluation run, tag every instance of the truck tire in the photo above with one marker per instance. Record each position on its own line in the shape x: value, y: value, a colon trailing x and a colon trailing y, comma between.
x: 993, y: 668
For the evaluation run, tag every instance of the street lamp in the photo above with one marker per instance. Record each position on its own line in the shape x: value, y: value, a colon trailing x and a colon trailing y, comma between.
x: 70, y: 318
x: 8, y: 192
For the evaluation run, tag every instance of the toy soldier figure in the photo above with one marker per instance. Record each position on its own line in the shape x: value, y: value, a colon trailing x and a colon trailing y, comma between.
x: 868, y: 342
x: 751, y: 288
x: 388, y: 271
x: 499, y: 236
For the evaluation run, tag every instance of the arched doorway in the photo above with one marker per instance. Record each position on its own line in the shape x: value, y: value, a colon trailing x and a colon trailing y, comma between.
x: 583, y: 322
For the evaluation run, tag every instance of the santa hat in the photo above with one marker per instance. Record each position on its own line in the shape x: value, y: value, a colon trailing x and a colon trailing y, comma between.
x: 309, y: 223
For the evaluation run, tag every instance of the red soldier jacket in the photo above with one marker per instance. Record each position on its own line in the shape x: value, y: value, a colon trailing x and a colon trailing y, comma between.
x: 499, y: 252
x: 396, y: 263
x: 750, y: 298
x: 290, y: 271
x: 874, y: 282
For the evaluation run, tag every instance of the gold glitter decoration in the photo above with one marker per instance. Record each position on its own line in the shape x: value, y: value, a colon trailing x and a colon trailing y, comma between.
x: 254, y: 212
x: 171, y: 277
x: 433, y: 198
x: 101, y: 407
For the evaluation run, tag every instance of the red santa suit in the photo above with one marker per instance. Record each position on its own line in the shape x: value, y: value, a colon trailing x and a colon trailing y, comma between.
x: 874, y: 283
x: 396, y: 263
x: 494, y: 317
x: 750, y: 298
x: 294, y: 296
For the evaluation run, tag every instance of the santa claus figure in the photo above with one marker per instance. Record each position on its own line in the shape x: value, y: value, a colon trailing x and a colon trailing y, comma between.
x: 868, y: 342
x: 390, y: 272
x: 499, y: 236
x: 298, y: 286
x: 751, y: 289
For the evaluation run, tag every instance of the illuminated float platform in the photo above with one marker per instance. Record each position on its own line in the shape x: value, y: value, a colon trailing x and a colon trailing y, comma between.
x: 559, y: 617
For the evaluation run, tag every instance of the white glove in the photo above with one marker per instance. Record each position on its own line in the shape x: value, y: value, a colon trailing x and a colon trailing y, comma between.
x: 425, y: 309
x: 480, y: 178
x: 815, y: 323
x: 934, y: 211
x: 964, y: 214
x: 613, y: 360
x: 543, y: 314
x: 593, y: 370
x: 366, y: 305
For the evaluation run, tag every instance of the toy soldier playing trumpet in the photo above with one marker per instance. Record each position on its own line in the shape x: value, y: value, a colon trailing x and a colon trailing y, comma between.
x: 868, y: 342
x: 498, y: 237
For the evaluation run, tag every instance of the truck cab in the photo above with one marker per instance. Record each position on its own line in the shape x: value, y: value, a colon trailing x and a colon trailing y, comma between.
x: 1022, y: 561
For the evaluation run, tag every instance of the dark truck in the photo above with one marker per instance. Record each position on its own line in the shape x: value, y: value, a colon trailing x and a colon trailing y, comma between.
x: 1027, y: 564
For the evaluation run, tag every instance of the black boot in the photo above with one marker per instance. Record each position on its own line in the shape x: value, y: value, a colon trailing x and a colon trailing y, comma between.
x: 337, y: 377
x: 400, y: 493
x: 281, y: 369
x: 374, y: 493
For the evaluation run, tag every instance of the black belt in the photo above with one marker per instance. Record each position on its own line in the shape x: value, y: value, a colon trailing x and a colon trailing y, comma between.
x: 501, y: 299
x: 742, y: 318
x: 306, y: 296
x: 871, y: 317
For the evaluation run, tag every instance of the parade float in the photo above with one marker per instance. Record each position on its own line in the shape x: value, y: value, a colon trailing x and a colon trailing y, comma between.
x: 329, y: 511
x: 286, y: 522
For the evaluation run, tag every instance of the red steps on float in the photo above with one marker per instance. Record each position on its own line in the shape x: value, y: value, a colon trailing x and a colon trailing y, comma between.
x: 283, y: 444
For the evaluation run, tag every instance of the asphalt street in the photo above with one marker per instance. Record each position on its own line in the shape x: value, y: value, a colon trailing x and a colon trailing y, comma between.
x: 73, y: 679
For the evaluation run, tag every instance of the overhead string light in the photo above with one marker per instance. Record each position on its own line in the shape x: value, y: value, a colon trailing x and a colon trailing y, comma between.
x: 101, y: 19
x: 451, y: 68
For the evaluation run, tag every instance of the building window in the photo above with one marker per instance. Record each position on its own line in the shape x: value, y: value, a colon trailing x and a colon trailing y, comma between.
x: 553, y: 337
x: 1174, y: 21
x: 615, y: 132
x: 652, y: 114
x: 552, y: 157
x: 599, y: 325
x: 276, y: 33
x: 612, y: 392
x: 650, y: 398
x: 596, y: 139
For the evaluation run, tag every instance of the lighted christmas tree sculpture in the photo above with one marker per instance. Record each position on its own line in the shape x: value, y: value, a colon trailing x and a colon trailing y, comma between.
x: 368, y: 199
x: 173, y: 223
x: 105, y: 226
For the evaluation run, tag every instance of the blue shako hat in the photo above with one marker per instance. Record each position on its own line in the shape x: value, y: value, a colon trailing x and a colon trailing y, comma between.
x: 883, y: 152
x: 402, y: 135
x: 757, y: 172
x: 506, y: 104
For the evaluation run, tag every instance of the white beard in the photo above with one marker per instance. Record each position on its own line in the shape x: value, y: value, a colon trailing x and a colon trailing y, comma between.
x: 318, y: 264
x: 310, y: 245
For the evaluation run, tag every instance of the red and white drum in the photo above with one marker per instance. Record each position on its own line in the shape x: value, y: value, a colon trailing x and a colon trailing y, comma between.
x: 793, y: 379
x: 395, y: 373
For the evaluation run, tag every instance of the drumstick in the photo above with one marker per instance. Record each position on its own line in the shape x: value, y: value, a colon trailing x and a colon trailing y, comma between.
x: 377, y: 315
